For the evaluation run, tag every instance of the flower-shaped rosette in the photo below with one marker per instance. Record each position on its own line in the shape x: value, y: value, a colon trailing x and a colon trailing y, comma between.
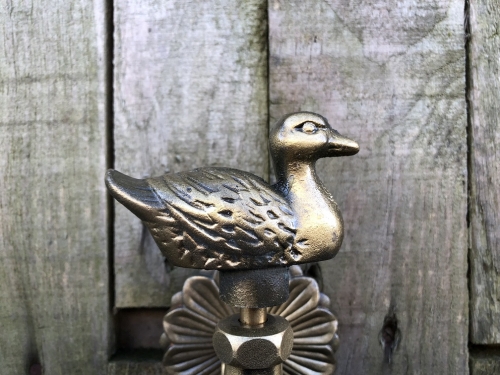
x: 195, y: 312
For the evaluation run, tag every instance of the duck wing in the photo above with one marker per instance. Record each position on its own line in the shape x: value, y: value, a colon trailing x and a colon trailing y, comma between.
x: 212, y: 218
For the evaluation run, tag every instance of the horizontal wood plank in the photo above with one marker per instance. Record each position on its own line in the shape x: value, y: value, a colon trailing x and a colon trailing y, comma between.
x: 485, y: 362
x: 133, y: 368
x: 137, y: 362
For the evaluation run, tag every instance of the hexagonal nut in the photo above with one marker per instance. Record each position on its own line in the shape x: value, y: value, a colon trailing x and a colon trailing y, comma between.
x: 253, y: 348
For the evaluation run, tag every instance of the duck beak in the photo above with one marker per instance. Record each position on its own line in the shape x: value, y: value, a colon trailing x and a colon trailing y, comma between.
x: 338, y: 145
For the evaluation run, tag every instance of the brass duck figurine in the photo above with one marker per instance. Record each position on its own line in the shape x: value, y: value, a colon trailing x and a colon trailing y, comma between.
x: 222, y: 218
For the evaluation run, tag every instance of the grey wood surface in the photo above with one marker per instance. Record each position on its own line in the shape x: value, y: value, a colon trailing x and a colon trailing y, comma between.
x: 136, y: 368
x: 53, y: 226
x: 191, y: 89
x: 138, y: 362
x: 391, y: 75
x: 486, y: 362
x: 484, y: 104
x: 190, y: 85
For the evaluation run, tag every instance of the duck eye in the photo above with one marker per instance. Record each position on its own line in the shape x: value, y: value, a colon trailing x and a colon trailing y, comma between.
x: 308, y: 127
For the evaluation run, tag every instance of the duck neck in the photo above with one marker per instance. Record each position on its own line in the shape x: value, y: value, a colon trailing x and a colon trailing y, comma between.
x: 296, y: 175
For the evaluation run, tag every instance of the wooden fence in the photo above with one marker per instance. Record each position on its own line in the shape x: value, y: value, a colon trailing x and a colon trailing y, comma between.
x: 151, y: 86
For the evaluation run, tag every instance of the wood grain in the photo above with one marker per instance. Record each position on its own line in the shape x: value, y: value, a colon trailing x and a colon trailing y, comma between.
x: 389, y: 74
x: 137, y: 362
x: 486, y: 362
x: 190, y: 90
x: 53, y: 240
x: 135, y: 368
x: 484, y: 99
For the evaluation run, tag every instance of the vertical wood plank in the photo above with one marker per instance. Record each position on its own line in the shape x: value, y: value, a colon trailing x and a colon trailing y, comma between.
x: 389, y: 74
x: 190, y: 91
x: 484, y: 101
x: 53, y: 240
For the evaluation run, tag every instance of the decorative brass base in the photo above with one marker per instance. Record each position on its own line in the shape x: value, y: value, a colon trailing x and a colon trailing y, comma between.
x: 230, y: 370
x: 192, y: 320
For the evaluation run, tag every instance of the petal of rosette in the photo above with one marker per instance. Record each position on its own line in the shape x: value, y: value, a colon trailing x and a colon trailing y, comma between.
x: 201, y: 294
x: 324, y: 301
x: 295, y: 271
x: 304, y: 297
x: 184, y: 326
x: 313, y: 336
x: 176, y: 300
x: 335, y: 342
x: 314, y: 328
x: 312, y: 360
x: 192, y: 359
x: 195, y: 312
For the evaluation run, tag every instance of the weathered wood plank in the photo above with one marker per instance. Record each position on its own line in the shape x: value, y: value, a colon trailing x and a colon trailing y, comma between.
x: 53, y: 240
x: 484, y: 99
x: 135, y: 368
x: 137, y: 362
x: 485, y: 362
x: 190, y: 91
x: 390, y: 75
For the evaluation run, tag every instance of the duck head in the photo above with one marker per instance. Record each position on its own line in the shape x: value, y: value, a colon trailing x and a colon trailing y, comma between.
x: 305, y: 137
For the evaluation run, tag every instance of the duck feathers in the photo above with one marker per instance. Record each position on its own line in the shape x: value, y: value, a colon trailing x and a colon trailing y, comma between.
x: 211, y: 218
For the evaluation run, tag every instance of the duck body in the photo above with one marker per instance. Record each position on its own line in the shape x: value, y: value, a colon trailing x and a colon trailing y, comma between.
x: 222, y: 218
x: 318, y: 219
x: 212, y: 218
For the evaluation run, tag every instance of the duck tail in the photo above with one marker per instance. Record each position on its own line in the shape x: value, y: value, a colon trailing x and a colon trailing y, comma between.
x: 135, y: 194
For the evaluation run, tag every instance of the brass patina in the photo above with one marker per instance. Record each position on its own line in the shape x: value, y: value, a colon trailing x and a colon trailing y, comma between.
x: 197, y: 309
x: 226, y: 219
x: 253, y: 317
x: 233, y: 221
x: 265, y: 346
